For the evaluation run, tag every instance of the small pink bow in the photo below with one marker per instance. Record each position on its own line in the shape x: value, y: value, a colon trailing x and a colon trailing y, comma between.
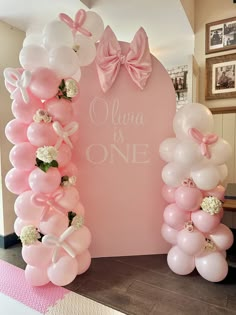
x: 109, y: 59
x: 77, y: 24
x: 203, y: 140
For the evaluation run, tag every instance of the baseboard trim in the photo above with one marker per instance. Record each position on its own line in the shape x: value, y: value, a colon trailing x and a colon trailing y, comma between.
x: 9, y: 240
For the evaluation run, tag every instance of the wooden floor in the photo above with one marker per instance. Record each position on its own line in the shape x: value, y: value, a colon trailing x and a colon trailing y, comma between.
x: 143, y: 285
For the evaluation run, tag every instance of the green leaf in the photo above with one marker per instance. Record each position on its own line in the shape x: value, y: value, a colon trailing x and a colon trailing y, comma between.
x: 71, y: 216
x: 54, y: 163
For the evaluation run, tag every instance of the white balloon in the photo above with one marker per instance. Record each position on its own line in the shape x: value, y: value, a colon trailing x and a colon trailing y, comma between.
x: 32, y: 57
x: 56, y: 34
x: 94, y: 24
x: 221, y: 152
x: 193, y: 115
x: 174, y: 173
x: 167, y: 149
x: 206, y: 176
x: 77, y: 75
x: 33, y: 39
x: 85, y: 50
x: 223, y: 171
x: 187, y: 153
x: 64, y: 61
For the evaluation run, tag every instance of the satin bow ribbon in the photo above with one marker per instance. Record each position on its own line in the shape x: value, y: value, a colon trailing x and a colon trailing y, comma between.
x: 59, y: 242
x: 76, y: 25
x: 203, y: 140
x: 109, y: 59
x: 47, y: 202
x: 65, y: 132
x: 20, y: 81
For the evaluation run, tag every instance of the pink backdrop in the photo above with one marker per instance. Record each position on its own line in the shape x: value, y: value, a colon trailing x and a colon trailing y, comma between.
x: 118, y: 158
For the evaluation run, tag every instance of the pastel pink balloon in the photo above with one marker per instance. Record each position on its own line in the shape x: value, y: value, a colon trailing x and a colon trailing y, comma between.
x: 23, y: 156
x: 25, y: 209
x: 80, y: 240
x: 53, y: 223
x: 37, y: 255
x: 212, y: 266
x: 179, y: 262
x: 17, y: 181
x: 169, y: 234
x: 47, y: 183
x: 79, y: 209
x: 60, y: 110
x: 63, y: 271
x: 188, y: 198
x: 41, y: 134
x: 205, y: 222
x: 44, y: 83
x: 222, y: 236
x: 25, y: 111
x: 191, y: 243
x: 19, y: 224
x: 75, y: 137
x: 168, y: 193
x: 70, y: 170
x: 174, y: 217
x: 218, y: 192
x: 84, y: 262
x: 16, y: 131
x: 64, y: 155
x: 70, y: 198
x: 36, y: 276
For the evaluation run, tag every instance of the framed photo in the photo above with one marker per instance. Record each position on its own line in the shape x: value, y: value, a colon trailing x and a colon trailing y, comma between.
x: 220, y: 77
x: 221, y: 35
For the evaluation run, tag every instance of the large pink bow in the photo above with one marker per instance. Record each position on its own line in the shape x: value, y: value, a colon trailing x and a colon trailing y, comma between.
x: 203, y: 141
x: 109, y: 59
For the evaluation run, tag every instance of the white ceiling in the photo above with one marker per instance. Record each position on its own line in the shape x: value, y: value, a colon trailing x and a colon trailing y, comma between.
x: 170, y: 35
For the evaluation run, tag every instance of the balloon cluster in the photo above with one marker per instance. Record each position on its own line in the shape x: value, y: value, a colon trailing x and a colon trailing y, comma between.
x: 50, y: 216
x: 192, y: 186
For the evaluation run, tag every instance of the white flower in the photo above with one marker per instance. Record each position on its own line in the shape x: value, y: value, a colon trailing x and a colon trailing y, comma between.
x: 71, y: 88
x: 77, y: 222
x: 47, y: 154
x: 69, y: 181
x: 72, y: 180
x: 29, y: 235
x: 42, y: 115
x: 211, y: 205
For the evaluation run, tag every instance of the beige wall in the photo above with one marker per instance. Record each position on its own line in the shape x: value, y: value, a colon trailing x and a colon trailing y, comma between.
x: 207, y: 11
x: 10, y: 42
x: 189, y: 8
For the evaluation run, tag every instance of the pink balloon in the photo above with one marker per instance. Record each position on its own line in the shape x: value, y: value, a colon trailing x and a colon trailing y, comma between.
x: 41, y: 134
x: 36, y: 276
x: 60, y: 110
x: 70, y: 170
x: 84, y: 262
x: 70, y: 198
x: 25, y: 209
x: 47, y: 183
x: 218, y: 192
x: 174, y: 217
x: 44, y: 83
x: 222, y: 236
x: 25, y: 111
x: 79, y: 209
x: 64, y: 155
x: 212, y: 266
x: 23, y: 156
x: 188, y: 198
x: 191, y: 243
x: 168, y: 193
x: 16, y: 131
x: 205, y: 222
x: 19, y: 224
x: 79, y: 240
x: 37, y: 255
x: 169, y: 234
x: 17, y: 181
x: 179, y: 262
x: 63, y: 271
x: 53, y: 223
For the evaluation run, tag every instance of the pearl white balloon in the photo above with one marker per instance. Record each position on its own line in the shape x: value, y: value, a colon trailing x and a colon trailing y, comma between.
x: 187, y: 153
x: 221, y: 152
x: 167, y: 149
x: 192, y: 115
x: 206, y: 176
x: 32, y: 57
x: 33, y: 39
x: 94, y: 24
x: 77, y: 75
x: 223, y: 172
x: 174, y: 173
x: 64, y: 61
x: 56, y: 34
x: 85, y: 49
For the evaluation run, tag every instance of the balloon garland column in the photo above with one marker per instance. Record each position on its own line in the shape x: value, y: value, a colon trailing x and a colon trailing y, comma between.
x: 50, y: 216
x: 192, y: 179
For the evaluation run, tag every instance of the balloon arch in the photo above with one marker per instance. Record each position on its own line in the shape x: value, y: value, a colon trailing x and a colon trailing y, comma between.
x: 50, y: 217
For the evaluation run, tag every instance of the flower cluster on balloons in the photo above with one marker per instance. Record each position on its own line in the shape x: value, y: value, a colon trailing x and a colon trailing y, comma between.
x: 50, y: 216
x: 193, y: 178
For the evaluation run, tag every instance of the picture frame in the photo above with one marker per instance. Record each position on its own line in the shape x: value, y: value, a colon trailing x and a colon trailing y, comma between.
x: 220, y: 35
x: 220, y: 77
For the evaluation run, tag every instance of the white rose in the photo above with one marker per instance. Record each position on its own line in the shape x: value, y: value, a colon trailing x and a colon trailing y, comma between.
x: 47, y: 154
x: 71, y: 88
